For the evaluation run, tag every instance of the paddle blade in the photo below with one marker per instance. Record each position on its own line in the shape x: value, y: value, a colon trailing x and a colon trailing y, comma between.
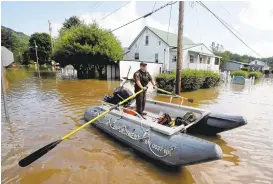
x: 190, y: 100
x: 37, y: 154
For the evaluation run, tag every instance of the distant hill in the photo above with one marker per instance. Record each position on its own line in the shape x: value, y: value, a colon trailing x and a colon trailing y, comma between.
x: 17, y: 42
x: 19, y: 34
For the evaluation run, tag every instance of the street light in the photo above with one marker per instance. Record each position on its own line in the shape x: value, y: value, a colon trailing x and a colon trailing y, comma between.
x: 36, y: 48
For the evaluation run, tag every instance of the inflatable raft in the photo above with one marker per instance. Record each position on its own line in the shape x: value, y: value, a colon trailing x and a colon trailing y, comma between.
x: 169, y: 145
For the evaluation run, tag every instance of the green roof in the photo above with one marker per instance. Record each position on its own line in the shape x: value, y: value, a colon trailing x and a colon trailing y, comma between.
x: 170, y: 38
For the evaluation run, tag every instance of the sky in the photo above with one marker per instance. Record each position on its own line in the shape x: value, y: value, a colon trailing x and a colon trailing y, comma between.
x: 252, y: 21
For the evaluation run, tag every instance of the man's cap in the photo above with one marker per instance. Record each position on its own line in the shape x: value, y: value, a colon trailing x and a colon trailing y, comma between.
x: 143, y: 64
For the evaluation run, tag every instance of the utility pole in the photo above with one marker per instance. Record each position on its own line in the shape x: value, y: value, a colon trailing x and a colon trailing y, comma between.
x: 4, y: 92
x: 179, y: 60
x: 50, y: 31
x: 37, y: 59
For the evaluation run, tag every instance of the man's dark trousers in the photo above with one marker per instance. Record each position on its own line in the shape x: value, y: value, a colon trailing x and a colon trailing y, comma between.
x: 140, y: 102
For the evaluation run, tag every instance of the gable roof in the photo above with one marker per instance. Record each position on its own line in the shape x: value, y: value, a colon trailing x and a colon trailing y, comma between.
x: 169, y: 38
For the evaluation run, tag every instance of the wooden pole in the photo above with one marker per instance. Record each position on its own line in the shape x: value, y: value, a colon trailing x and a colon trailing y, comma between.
x: 4, y: 93
x: 37, y: 59
x: 50, y: 32
x: 179, y: 48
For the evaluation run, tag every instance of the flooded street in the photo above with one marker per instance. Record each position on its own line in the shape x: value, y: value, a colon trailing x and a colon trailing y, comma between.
x: 43, y: 110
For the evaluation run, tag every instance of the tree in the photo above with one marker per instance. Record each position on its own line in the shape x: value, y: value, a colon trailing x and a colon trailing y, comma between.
x: 44, y: 47
x: 15, y: 41
x: 6, y: 38
x: 72, y: 21
x: 216, y: 47
x: 85, y: 46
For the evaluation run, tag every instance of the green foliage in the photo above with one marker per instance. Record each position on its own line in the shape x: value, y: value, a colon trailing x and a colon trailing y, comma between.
x: 244, y: 68
x: 225, y: 56
x: 17, y: 42
x: 239, y: 73
x: 44, y: 47
x: 72, y: 21
x: 87, y: 44
x: 211, y: 79
x: 257, y: 75
x: 191, y: 80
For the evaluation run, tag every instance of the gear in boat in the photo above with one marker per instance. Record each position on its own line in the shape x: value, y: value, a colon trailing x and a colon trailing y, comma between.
x: 193, y: 119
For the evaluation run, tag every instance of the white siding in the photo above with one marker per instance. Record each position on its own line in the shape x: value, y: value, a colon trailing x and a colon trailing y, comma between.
x: 153, y: 68
x: 196, y: 62
x: 147, y: 52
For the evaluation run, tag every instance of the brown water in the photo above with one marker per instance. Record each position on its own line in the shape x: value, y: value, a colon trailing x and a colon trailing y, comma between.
x: 43, y: 110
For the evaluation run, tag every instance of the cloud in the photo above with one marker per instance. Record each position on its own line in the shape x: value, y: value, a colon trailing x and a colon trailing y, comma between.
x: 265, y: 48
x: 55, y: 29
x: 258, y: 14
x: 126, y: 34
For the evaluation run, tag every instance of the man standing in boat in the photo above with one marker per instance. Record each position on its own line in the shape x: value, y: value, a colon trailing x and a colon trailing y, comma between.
x: 142, y: 78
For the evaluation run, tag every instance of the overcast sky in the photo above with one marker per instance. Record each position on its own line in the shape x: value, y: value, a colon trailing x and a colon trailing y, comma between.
x: 252, y: 20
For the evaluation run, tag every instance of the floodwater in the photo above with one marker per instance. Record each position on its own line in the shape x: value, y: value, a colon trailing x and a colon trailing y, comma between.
x: 43, y: 110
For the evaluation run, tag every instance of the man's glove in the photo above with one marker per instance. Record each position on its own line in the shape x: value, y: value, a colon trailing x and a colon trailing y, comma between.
x: 145, y: 88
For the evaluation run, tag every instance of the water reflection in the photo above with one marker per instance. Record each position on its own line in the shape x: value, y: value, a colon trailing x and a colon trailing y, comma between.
x: 43, y: 109
x: 229, y: 153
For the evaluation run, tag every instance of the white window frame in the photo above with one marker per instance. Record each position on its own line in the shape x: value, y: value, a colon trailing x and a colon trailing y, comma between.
x: 191, y: 61
x: 136, y: 54
x: 156, y: 57
x: 217, y: 61
x: 147, y: 40
x: 208, y: 59
x: 174, y: 59
x: 200, y: 59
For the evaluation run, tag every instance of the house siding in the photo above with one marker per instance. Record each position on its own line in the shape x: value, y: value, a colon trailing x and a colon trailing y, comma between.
x: 147, y: 52
x: 196, y: 62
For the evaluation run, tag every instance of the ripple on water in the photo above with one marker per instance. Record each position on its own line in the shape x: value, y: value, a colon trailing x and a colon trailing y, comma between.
x: 42, y: 111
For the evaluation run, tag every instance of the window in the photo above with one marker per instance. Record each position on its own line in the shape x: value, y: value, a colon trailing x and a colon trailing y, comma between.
x: 159, y: 42
x: 156, y: 57
x: 208, y: 60
x: 174, y: 58
x: 216, y: 61
x: 136, y: 56
x: 135, y: 45
x: 191, y: 58
x: 147, y: 40
x: 201, y: 59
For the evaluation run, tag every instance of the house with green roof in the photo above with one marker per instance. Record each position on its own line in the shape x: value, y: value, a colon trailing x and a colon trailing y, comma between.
x: 157, y: 46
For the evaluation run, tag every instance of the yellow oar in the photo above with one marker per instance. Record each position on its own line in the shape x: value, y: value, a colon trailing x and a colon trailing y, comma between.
x: 188, y: 99
x: 39, y: 153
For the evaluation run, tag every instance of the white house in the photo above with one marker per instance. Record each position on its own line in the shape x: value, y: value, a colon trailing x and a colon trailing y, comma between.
x: 157, y: 46
x: 257, y: 65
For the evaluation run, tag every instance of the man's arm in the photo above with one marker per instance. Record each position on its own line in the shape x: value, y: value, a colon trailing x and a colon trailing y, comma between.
x: 139, y: 84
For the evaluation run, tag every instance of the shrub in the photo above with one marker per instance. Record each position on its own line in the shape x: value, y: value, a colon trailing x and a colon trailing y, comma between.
x: 211, y: 79
x: 239, y: 73
x: 257, y: 75
x: 244, y: 68
x: 191, y: 80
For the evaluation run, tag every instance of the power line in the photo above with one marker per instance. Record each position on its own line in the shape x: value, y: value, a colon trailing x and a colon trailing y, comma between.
x: 144, y: 16
x: 169, y: 23
x: 220, y: 20
x: 115, y: 10
x: 96, y: 6
x: 224, y: 8
x: 154, y: 6
x: 143, y: 34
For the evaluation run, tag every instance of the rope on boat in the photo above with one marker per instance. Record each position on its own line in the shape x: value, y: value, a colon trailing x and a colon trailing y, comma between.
x: 133, y: 136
